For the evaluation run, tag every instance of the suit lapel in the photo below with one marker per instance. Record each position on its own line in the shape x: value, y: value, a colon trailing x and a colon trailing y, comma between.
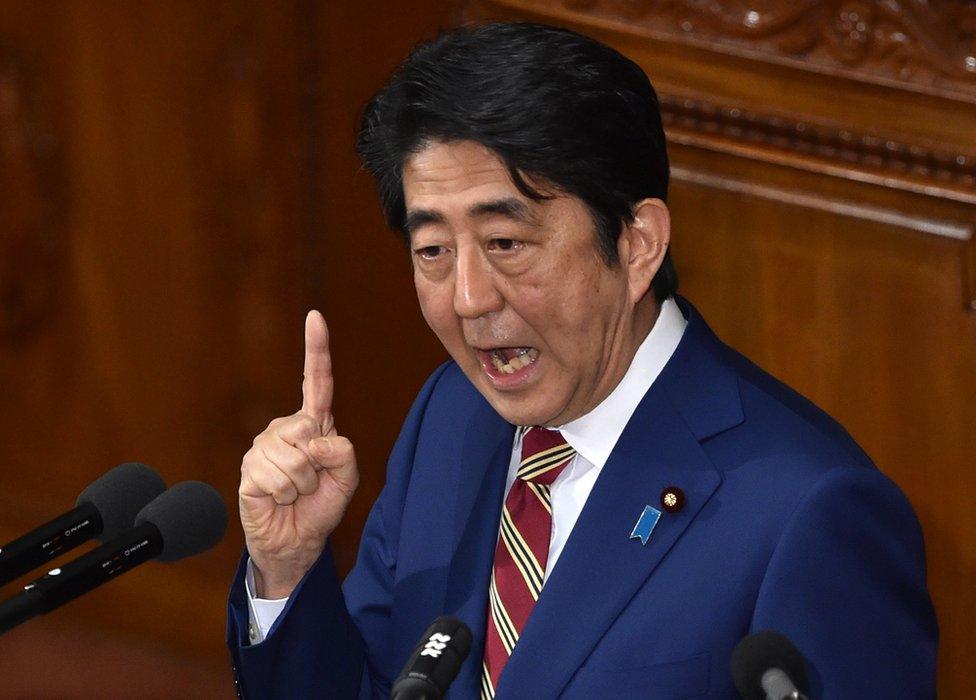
x: 577, y: 605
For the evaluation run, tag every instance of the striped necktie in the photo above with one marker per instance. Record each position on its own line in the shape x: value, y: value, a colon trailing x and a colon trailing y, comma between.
x: 523, y: 548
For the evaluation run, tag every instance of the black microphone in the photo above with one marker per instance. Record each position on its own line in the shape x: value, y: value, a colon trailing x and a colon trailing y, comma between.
x: 766, y: 666
x: 435, y: 662
x: 104, y: 510
x: 187, y: 519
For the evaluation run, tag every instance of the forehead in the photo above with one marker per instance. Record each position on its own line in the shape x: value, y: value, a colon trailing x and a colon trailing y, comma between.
x: 464, y: 181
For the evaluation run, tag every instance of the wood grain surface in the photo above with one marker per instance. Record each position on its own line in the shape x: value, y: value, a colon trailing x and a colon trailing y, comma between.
x: 178, y: 185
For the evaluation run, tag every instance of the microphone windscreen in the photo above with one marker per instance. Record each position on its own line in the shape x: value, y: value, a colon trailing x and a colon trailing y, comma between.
x: 190, y: 516
x: 119, y: 494
x: 435, y: 662
x: 758, y: 653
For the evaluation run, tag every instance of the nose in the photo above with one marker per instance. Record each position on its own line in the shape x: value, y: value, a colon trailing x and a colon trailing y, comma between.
x: 475, y: 290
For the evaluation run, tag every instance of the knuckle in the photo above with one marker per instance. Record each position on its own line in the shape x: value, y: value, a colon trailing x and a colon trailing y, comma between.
x: 247, y: 463
x: 295, y: 464
x: 262, y: 437
x: 296, y: 426
x: 281, y: 486
x: 270, y: 430
x: 276, y: 422
x: 265, y: 477
x: 278, y: 480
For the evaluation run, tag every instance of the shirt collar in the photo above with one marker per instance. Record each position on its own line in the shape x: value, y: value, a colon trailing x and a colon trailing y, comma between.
x: 595, y: 434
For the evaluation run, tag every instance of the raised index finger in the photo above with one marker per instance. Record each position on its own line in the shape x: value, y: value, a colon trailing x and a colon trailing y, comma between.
x: 317, y: 385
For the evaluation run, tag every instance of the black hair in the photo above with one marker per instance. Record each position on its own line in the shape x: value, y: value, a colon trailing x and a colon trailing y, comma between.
x: 552, y: 104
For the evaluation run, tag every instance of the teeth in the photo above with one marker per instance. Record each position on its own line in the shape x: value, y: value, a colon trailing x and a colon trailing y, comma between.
x: 524, y: 358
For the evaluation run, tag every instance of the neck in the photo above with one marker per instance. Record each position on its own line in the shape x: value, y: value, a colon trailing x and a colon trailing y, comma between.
x: 644, y: 317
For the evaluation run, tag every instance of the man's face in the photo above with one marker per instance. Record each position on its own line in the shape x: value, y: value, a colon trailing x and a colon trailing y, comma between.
x: 516, y: 290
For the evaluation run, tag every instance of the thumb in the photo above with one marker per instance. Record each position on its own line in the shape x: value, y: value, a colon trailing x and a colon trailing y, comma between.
x: 336, y: 456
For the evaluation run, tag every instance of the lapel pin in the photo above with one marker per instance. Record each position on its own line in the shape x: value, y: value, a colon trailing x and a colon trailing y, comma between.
x: 645, y: 524
x: 672, y: 499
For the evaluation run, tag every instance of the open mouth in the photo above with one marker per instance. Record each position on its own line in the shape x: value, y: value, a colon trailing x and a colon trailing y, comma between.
x: 508, y: 362
x: 511, y: 360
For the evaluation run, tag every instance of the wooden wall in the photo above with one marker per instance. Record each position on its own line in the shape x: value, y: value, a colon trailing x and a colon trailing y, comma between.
x: 824, y: 206
x: 178, y: 185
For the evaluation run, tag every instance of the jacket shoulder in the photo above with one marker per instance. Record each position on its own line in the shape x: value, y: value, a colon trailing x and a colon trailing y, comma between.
x: 787, y: 421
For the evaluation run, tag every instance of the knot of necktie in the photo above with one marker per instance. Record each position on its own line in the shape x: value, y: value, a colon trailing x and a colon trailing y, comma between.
x: 544, y: 455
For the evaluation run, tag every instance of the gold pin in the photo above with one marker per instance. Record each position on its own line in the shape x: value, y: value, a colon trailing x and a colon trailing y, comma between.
x: 672, y: 499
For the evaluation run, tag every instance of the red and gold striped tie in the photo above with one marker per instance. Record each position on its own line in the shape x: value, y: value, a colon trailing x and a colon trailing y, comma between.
x: 523, y: 549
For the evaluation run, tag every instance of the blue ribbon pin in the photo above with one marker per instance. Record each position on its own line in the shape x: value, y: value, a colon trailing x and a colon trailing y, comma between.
x: 645, y: 524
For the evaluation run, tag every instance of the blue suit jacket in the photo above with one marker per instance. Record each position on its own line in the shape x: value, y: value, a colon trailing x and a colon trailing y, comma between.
x: 787, y: 526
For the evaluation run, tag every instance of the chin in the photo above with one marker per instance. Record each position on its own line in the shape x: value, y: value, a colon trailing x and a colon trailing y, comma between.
x: 517, y: 412
x: 516, y: 407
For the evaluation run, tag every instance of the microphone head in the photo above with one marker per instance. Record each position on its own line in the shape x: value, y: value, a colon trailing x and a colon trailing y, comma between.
x: 190, y: 516
x: 119, y: 494
x: 435, y: 662
x: 758, y: 653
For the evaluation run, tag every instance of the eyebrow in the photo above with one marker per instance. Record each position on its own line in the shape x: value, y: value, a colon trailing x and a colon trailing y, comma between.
x: 508, y: 207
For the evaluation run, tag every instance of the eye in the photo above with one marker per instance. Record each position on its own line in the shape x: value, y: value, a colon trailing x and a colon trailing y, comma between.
x: 429, y: 252
x: 504, y: 245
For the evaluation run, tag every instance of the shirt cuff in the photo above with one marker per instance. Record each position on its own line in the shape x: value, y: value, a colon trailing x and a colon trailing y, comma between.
x: 262, y: 613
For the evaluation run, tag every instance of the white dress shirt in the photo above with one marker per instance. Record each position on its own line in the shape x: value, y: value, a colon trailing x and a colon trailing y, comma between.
x: 593, y: 436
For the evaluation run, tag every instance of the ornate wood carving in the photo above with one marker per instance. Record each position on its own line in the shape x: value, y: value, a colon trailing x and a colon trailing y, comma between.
x: 859, y: 210
x: 927, y: 44
x: 911, y: 166
x: 830, y: 150
x: 30, y: 188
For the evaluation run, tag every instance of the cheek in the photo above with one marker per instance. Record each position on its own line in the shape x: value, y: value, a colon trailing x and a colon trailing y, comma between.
x: 437, y: 308
x: 569, y: 297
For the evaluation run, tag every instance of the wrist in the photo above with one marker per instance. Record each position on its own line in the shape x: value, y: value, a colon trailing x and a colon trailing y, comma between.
x: 271, y: 587
x: 277, y: 580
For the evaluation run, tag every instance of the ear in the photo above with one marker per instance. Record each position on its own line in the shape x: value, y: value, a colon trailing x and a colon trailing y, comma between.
x: 642, y: 245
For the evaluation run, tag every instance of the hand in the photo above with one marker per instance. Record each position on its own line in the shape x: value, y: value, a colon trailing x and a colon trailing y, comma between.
x: 297, y: 479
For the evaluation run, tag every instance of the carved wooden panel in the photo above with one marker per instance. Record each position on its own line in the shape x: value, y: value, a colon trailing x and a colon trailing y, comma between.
x: 924, y: 45
x: 937, y: 187
x: 909, y: 166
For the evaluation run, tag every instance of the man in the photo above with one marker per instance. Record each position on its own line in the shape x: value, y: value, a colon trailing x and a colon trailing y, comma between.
x: 608, y: 496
